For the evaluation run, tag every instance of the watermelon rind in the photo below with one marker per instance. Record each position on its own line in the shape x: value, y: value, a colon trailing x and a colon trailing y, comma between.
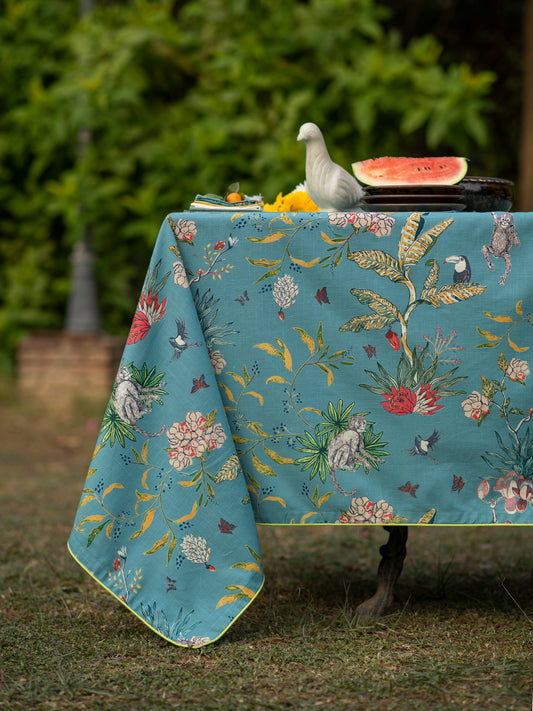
x: 443, y: 170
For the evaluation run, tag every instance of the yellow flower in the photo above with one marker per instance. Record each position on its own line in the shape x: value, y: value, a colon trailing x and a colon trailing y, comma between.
x: 297, y: 201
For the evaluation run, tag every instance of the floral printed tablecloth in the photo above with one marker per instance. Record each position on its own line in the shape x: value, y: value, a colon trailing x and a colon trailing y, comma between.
x: 307, y: 368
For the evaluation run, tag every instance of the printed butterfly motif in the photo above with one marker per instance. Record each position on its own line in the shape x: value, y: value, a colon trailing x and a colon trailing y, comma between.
x: 409, y: 488
x: 198, y: 383
x: 171, y: 584
x: 225, y: 526
x: 321, y: 296
x: 370, y: 350
x: 243, y: 298
x: 458, y: 483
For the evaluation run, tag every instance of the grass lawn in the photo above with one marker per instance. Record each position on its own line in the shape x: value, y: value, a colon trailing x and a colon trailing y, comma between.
x: 460, y: 635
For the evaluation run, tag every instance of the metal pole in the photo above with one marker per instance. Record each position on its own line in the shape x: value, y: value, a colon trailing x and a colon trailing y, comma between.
x: 83, y: 314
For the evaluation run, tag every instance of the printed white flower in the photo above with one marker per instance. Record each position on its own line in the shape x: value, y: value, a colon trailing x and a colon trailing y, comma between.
x: 195, y: 549
x: 180, y: 275
x: 476, y: 405
x: 360, y: 220
x: 339, y: 219
x: 381, y: 224
x: 217, y: 362
x: 185, y: 230
x: 285, y: 292
x: 362, y: 510
x: 196, y: 641
x: 517, y: 369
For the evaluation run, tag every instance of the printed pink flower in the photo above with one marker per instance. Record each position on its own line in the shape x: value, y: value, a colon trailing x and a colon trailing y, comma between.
x: 399, y: 402
x: 426, y: 400
x: 149, y: 310
x: 476, y: 405
x: 220, y: 245
x: 516, y: 490
x: 116, y: 564
x: 362, y: 510
x: 191, y: 438
x: 517, y: 369
x: 483, y: 489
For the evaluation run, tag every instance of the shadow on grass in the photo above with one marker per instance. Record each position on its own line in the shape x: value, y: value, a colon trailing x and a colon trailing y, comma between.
x: 459, y: 635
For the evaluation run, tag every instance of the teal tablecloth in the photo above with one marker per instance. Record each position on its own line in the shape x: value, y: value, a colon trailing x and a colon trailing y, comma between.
x: 306, y: 369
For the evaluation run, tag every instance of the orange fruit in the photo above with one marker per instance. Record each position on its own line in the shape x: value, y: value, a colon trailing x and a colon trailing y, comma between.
x: 233, y: 197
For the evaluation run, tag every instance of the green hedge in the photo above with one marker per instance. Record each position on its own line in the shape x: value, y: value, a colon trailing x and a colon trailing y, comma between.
x: 186, y: 97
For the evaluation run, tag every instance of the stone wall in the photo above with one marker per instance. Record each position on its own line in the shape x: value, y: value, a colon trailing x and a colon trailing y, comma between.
x: 60, y: 369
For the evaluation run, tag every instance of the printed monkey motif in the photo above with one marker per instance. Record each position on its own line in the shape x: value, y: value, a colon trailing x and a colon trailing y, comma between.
x: 504, y: 236
x: 347, y: 451
x: 132, y: 401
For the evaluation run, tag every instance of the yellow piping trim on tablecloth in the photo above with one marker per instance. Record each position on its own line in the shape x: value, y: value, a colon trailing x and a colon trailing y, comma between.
x: 167, y: 639
x: 384, y: 523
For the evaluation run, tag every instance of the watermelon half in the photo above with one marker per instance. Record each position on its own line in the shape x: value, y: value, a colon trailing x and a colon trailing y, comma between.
x: 446, y: 170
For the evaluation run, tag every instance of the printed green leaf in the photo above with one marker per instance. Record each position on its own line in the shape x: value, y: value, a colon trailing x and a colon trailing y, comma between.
x: 256, y: 427
x: 263, y: 262
x: 256, y: 395
x: 452, y: 293
x: 381, y: 262
x: 486, y: 345
x: 306, y: 338
x: 273, y: 237
x: 261, y: 467
x: 320, y: 336
x: 423, y: 244
x: 516, y: 348
x: 276, y: 498
x: 231, y: 468
x: 269, y: 349
x: 171, y: 548
x: 381, y: 306
x: 98, y: 529
x: 502, y: 363
x: 161, y: 543
x: 247, y: 566
x: 408, y: 235
x: 324, y: 498
x: 487, y: 388
x: 326, y: 370
x: 149, y: 517
x: 110, y: 488
x: 277, y: 457
x: 499, y: 319
x: 367, y: 322
x: 431, y: 279
x: 254, y: 554
x: 489, y: 336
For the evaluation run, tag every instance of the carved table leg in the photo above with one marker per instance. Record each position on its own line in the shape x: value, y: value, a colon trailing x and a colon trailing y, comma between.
x: 390, y: 567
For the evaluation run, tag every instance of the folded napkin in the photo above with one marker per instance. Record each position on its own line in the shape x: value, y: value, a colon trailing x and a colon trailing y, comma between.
x: 212, y: 202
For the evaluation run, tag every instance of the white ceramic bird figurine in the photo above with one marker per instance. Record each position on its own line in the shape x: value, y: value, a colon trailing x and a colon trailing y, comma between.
x: 329, y: 186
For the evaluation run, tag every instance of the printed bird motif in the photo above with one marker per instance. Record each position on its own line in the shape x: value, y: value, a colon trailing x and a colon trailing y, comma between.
x: 180, y: 343
x: 422, y: 447
x: 328, y: 185
x: 462, y: 272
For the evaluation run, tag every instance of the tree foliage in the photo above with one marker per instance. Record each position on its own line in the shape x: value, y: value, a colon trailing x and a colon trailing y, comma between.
x: 110, y: 121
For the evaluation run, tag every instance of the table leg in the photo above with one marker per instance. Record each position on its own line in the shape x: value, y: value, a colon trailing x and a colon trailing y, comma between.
x: 390, y: 567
